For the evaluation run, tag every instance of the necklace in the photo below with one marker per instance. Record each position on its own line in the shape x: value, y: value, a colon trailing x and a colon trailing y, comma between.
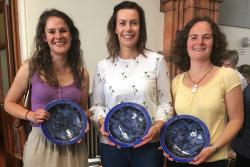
x: 195, y: 86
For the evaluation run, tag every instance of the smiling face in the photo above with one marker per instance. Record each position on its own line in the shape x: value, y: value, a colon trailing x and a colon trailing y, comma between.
x: 57, y: 35
x: 200, y: 41
x: 127, y: 28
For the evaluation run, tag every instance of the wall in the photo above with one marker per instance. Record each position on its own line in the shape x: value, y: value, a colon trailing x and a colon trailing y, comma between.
x: 91, y: 17
x: 235, y: 23
x: 234, y: 38
x: 238, y: 17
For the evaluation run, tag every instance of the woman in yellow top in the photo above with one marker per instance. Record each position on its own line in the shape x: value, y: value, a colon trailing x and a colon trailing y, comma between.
x: 205, y: 90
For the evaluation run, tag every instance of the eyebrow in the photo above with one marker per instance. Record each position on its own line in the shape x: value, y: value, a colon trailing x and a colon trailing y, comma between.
x: 128, y: 20
x: 201, y: 35
x: 62, y: 28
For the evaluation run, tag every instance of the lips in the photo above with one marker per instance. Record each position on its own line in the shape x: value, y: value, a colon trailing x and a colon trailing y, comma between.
x: 128, y: 36
x: 199, y: 49
x: 59, y: 43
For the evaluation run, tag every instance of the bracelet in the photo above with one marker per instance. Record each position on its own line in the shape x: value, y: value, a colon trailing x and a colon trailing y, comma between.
x: 215, y: 148
x: 26, y: 114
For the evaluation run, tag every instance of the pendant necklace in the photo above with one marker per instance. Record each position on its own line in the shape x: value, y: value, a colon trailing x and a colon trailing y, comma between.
x: 195, y: 84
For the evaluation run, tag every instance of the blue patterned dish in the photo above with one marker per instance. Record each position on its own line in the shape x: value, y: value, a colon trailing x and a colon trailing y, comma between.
x: 127, y: 123
x: 183, y: 137
x: 67, y: 122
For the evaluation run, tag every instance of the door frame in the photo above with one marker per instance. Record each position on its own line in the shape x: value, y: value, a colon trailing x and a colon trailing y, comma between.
x: 12, y: 37
x: 9, y: 8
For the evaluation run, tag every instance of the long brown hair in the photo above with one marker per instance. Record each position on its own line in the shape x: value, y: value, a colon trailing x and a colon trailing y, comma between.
x: 112, y: 38
x: 41, y: 60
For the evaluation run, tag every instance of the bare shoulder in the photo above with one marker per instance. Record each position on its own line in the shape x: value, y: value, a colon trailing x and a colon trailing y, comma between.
x: 24, y: 70
x: 86, y: 74
x: 85, y: 82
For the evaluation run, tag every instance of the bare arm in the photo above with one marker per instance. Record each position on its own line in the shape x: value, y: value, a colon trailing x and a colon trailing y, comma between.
x: 16, y: 92
x: 234, y: 107
x: 85, y: 93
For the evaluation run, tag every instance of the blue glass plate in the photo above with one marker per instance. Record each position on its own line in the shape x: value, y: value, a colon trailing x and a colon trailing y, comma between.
x: 67, y: 122
x: 183, y: 137
x: 127, y: 123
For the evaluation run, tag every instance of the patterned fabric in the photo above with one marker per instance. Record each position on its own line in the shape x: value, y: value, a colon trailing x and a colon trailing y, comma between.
x: 241, y: 144
x: 144, y: 80
x: 207, y: 104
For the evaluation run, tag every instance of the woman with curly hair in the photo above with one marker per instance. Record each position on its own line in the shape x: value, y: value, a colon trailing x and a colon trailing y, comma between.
x: 205, y: 90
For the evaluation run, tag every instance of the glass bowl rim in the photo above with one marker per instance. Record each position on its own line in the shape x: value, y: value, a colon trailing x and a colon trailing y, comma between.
x: 84, y: 122
x: 177, y: 118
x: 118, y: 107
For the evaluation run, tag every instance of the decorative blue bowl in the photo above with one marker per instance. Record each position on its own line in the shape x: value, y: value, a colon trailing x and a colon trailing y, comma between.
x: 183, y: 137
x: 67, y: 122
x: 127, y: 123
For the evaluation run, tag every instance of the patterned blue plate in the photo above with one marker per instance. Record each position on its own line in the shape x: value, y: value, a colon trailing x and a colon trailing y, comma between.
x: 127, y: 123
x: 183, y: 137
x: 67, y: 122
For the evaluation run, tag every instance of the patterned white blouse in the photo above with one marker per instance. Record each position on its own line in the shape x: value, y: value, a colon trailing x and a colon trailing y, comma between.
x: 144, y: 80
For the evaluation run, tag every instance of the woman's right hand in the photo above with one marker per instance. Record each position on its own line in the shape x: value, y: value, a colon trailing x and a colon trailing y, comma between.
x: 103, y: 132
x: 101, y: 127
x: 39, y: 116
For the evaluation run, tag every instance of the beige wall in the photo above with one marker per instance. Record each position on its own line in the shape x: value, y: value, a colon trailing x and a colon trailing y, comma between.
x: 91, y: 17
x: 234, y: 38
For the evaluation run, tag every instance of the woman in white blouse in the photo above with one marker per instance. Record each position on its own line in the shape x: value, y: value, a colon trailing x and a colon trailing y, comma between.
x: 131, y: 73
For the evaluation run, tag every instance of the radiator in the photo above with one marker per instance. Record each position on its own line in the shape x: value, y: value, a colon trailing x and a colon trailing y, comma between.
x: 92, y: 141
x: 92, y: 137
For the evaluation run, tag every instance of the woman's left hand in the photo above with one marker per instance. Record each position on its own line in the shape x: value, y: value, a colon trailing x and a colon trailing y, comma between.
x: 86, y: 130
x: 153, y: 131
x: 203, y: 155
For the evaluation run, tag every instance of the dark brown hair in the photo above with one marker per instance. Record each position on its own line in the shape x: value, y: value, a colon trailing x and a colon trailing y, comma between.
x: 41, y: 60
x: 180, y: 53
x: 244, y: 69
x: 112, y: 38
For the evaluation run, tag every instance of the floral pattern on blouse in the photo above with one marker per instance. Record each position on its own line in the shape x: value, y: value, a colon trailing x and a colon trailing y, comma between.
x: 144, y: 80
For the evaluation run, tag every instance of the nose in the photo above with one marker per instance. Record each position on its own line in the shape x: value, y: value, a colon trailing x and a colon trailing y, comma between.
x: 128, y: 27
x: 200, y: 40
x: 58, y: 34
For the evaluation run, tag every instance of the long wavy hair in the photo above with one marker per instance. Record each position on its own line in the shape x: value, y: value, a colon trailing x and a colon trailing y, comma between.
x: 180, y: 53
x: 41, y: 60
x: 112, y: 38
